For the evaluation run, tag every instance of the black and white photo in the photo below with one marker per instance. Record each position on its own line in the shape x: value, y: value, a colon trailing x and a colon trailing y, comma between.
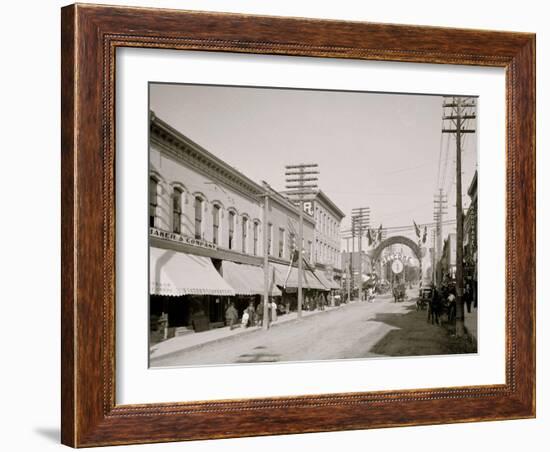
x: 293, y: 225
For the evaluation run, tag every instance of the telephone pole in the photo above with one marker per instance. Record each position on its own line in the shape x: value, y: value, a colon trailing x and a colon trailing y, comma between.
x: 440, y: 204
x: 301, y: 181
x: 348, y: 235
x: 265, y: 323
x: 348, y: 270
x: 462, y: 109
x: 360, y: 220
x: 434, y: 259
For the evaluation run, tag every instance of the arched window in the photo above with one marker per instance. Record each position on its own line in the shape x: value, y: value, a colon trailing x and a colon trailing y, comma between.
x: 269, y: 239
x: 153, y: 201
x: 215, y: 224
x: 176, y: 210
x: 255, y: 237
x: 198, y: 217
x: 281, y: 242
x: 231, y: 229
x: 244, y: 234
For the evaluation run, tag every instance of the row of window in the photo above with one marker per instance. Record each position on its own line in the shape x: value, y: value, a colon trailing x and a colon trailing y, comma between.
x: 326, y: 254
x: 199, y: 230
x: 326, y: 224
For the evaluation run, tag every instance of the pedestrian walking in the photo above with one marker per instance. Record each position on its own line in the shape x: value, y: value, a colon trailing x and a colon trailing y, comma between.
x: 269, y: 313
x: 371, y: 294
x: 321, y: 302
x: 244, y: 320
x: 231, y: 316
x: 451, y: 306
x: 273, y: 311
x: 260, y: 313
x: 468, y: 297
x: 251, y: 314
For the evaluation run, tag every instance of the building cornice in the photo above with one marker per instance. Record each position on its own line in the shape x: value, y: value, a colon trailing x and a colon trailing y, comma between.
x: 185, y: 150
x: 330, y: 205
x: 191, y: 153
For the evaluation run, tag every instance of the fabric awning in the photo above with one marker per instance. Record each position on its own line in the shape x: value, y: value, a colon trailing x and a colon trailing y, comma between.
x: 328, y: 282
x: 248, y: 279
x: 174, y: 273
x: 309, y: 281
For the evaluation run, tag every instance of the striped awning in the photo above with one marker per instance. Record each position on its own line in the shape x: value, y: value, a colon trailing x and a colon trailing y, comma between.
x: 287, y: 279
x: 328, y: 282
x: 174, y: 273
x: 248, y: 279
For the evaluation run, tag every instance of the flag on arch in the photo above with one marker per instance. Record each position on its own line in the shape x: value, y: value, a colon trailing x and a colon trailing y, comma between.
x: 416, y: 229
x: 369, y: 236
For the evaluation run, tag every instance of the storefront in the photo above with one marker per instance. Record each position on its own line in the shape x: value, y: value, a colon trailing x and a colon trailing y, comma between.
x: 186, y: 292
x: 314, y: 291
x: 248, y: 283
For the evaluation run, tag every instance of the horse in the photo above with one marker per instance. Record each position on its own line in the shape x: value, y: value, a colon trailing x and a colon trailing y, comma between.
x: 450, y: 309
x: 434, y: 308
x: 399, y: 293
x: 420, y: 304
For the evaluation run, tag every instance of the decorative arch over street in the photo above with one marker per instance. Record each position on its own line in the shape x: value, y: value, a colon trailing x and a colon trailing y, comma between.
x: 397, y: 240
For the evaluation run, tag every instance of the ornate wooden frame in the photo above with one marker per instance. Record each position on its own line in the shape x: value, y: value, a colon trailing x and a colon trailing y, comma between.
x: 90, y: 35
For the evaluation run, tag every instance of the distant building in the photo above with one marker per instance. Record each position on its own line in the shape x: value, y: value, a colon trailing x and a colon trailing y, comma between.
x: 470, y: 237
x: 326, y: 246
x: 366, y: 266
x: 324, y: 250
x: 448, y: 257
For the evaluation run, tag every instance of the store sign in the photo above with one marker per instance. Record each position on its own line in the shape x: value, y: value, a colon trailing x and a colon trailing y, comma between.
x: 308, y: 207
x: 172, y: 236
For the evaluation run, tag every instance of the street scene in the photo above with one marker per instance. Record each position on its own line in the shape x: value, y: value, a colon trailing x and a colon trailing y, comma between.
x: 356, y: 330
x: 303, y: 225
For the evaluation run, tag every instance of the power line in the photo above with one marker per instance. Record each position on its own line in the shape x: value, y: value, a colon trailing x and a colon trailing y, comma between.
x: 460, y: 114
x: 406, y: 227
x: 440, y: 154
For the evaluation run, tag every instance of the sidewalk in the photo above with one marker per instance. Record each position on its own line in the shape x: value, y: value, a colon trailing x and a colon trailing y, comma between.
x: 470, y: 321
x: 194, y: 340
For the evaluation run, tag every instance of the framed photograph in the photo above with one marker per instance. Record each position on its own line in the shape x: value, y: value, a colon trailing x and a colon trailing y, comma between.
x: 281, y: 225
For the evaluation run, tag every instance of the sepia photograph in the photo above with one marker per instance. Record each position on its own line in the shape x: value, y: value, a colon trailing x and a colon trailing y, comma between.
x: 291, y: 225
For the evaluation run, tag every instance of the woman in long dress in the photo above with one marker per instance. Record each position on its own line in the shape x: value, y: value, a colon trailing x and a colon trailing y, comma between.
x: 273, y: 311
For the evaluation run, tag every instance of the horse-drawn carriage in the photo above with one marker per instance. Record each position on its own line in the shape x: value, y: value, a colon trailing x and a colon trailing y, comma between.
x: 424, y: 298
x: 442, y: 302
x: 382, y: 287
x: 399, y: 293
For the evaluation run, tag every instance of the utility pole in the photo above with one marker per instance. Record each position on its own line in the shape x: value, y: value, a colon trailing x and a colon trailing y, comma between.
x: 360, y: 217
x: 265, y: 323
x: 440, y: 203
x: 301, y: 181
x: 434, y: 258
x: 349, y: 270
x: 352, y: 263
x: 459, y: 114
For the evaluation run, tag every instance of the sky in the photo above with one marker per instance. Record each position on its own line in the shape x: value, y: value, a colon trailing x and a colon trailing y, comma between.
x: 378, y: 150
